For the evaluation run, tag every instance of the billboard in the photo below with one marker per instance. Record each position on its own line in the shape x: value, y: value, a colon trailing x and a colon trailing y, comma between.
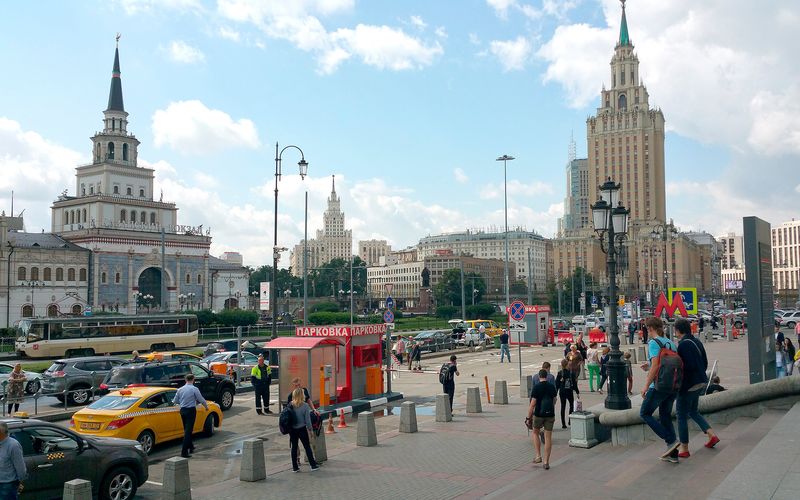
x: 264, y: 296
x: 734, y: 285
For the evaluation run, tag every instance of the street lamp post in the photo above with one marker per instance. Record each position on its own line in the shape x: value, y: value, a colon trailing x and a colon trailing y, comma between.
x: 505, y: 159
x: 33, y: 285
x: 182, y: 300
x: 276, y: 251
x: 611, y: 218
x: 664, y: 232
x: 190, y: 296
x: 137, y: 296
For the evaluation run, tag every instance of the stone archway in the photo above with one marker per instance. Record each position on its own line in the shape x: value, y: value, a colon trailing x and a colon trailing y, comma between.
x: 52, y: 311
x: 150, y: 284
x: 231, y: 303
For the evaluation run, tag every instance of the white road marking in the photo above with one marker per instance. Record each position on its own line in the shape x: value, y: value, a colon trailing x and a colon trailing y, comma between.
x: 154, y: 483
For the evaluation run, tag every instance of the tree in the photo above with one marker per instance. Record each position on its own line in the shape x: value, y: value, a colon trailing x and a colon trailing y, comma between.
x: 330, y: 278
x: 285, y: 280
x: 448, y: 289
x: 518, y: 287
x: 570, y: 282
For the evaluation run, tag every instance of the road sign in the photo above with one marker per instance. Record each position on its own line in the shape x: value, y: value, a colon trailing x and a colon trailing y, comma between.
x: 517, y: 311
x: 594, y: 301
x: 389, y: 304
x: 689, y: 296
x: 264, y: 296
x: 388, y: 287
x: 388, y: 316
x: 518, y: 326
x: 621, y: 300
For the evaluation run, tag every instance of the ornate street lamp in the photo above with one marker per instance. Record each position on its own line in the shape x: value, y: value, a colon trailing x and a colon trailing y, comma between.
x: 611, y: 218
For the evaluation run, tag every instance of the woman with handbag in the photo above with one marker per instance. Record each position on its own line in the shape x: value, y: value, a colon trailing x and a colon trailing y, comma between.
x: 15, y: 390
x: 567, y: 387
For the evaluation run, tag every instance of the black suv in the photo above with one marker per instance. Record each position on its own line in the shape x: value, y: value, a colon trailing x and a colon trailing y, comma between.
x: 232, y: 345
x: 213, y: 387
x: 54, y: 455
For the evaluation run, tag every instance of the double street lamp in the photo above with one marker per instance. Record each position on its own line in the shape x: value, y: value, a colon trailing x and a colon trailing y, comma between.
x: 664, y: 232
x: 33, y: 285
x: 610, y: 220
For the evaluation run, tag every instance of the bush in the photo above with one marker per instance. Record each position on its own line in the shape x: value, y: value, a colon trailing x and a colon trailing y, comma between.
x: 7, y: 332
x: 326, y: 307
x: 480, y: 311
x: 329, y: 318
x: 237, y: 317
x: 205, y: 317
x: 447, y: 312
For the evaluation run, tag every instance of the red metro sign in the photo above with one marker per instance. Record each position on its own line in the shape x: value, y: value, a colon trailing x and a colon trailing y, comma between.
x: 677, y: 304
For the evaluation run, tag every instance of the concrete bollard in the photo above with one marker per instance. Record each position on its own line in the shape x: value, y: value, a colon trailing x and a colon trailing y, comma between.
x: 77, y: 489
x: 321, y: 450
x: 623, y: 339
x: 443, y: 413
x: 582, y: 434
x: 176, y: 483
x: 583, y: 371
x: 473, y: 400
x: 500, y: 392
x: 253, y: 466
x: 365, y: 431
x: 408, y: 417
x: 525, y: 387
x: 642, y: 351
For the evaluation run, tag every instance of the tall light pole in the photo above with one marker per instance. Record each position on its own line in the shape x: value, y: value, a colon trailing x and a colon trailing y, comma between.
x: 664, y: 232
x: 611, y: 218
x: 505, y: 159
x: 305, y: 261
x: 276, y: 250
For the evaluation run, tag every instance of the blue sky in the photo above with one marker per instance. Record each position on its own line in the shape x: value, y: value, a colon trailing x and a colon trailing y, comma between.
x: 408, y: 103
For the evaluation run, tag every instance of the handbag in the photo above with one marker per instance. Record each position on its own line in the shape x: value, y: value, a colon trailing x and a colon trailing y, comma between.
x: 529, y: 423
x: 578, y: 406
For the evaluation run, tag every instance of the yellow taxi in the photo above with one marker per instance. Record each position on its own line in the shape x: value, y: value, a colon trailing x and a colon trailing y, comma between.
x: 146, y: 414
x: 169, y: 356
x: 492, y: 328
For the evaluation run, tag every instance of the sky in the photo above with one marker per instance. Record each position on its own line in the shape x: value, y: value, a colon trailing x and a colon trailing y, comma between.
x: 408, y: 103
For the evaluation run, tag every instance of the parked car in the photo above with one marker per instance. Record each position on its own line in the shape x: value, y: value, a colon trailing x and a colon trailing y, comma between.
x: 579, y: 320
x: 229, y: 361
x: 169, y: 356
x: 33, y: 380
x: 54, y: 455
x: 434, y: 341
x: 146, y: 414
x: 593, y: 321
x: 561, y: 324
x: 232, y: 345
x: 459, y: 328
x: 472, y: 338
x: 490, y: 327
x: 80, y: 377
x: 790, y: 319
x: 213, y: 387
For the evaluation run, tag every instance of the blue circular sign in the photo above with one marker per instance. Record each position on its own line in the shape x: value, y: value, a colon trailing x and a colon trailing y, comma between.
x: 388, y: 316
x: 517, y: 311
x: 389, y: 303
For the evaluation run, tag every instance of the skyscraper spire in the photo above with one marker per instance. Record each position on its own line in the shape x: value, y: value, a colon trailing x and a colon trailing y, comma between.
x: 333, y: 185
x: 115, y: 93
x: 624, y: 38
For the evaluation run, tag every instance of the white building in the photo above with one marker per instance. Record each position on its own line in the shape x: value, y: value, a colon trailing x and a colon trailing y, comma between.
x: 732, y: 251
x: 786, y: 257
x: 371, y: 251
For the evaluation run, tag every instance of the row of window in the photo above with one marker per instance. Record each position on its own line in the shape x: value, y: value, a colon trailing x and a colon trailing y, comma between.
x: 142, y: 217
x: 118, y: 278
x: 53, y: 310
x: 110, y: 151
x: 47, y: 274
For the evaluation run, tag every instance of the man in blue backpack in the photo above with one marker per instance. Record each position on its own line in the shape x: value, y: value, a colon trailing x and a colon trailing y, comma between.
x: 661, y: 386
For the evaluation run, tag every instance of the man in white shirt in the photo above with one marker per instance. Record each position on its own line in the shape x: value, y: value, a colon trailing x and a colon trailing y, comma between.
x: 187, y: 398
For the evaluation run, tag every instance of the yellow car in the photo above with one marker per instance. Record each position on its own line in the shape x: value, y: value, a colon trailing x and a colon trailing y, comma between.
x: 169, y: 356
x: 146, y: 414
x: 491, y: 327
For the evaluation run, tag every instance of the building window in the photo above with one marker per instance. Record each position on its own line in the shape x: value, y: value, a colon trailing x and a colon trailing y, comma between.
x: 52, y: 311
x: 77, y: 309
x: 117, y: 278
x: 123, y: 215
x: 110, y: 150
x: 199, y: 279
x: 152, y: 217
x: 91, y: 189
x: 35, y: 273
x: 70, y: 274
x: 97, y: 152
x: 141, y: 193
x: 47, y: 274
x: 59, y: 274
x: 113, y: 124
x: 84, y: 215
x: 103, y: 278
x: 22, y: 273
x: 188, y: 278
x: 125, y: 152
x: 116, y: 189
x: 133, y: 216
x: 129, y: 192
x: 27, y: 311
x: 83, y: 274
x: 142, y: 217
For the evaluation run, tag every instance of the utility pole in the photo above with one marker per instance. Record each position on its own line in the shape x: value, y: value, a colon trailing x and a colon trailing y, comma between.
x: 463, y: 302
x: 530, y: 278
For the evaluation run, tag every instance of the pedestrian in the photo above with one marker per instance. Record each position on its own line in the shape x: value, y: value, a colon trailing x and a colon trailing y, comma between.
x: 417, y: 356
x: 781, y: 359
x: 567, y: 386
x: 261, y: 378
x: 790, y: 354
x: 400, y: 349
x: 550, y: 378
x: 447, y: 378
x: 593, y: 365
x: 714, y: 386
x: 301, y: 430
x: 12, y: 465
x: 797, y: 332
x: 653, y: 399
x: 187, y: 398
x: 779, y: 334
x: 297, y: 384
x: 644, y: 334
x: 603, y: 368
x: 504, y: 346
x: 411, y: 346
x: 702, y: 324
x: 632, y: 328
x: 574, y: 360
x: 135, y: 358
x: 482, y: 334
x: 695, y: 364
x: 542, y: 410
x: 15, y: 390
x: 628, y: 371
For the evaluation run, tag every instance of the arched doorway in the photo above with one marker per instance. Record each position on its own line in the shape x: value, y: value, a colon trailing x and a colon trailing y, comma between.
x: 52, y: 311
x: 27, y: 311
x: 150, y: 284
x: 231, y: 303
x: 77, y: 309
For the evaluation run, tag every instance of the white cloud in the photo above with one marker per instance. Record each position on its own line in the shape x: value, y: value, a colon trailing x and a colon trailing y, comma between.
x: 417, y: 22
x: 474, y: 39
x: 192, y: 128
x: 515, y: 188
x: 132, y: 7
x: 181, y: 52
x: 229, y: 34
x: 385, y: 47
x: 501, y: 7
x: 513, y: 54
x: 441, y: 32
x: 776, y: 121
x: 460, y: 176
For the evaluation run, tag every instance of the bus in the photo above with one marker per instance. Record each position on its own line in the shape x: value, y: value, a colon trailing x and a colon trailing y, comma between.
x: 90, y: 335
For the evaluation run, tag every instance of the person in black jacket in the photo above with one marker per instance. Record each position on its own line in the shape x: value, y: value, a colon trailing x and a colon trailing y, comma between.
x: 567, y: 386
x: 695, y: 363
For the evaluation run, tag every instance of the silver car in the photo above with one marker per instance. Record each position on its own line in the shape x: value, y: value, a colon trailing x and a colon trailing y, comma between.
x: 33, y: 383
x: 79, y: 376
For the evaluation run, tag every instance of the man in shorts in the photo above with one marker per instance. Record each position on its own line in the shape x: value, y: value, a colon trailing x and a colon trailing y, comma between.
x: 543, y: 411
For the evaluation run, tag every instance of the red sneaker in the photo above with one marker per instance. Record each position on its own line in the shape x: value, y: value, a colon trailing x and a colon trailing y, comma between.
x: 683, y: 454
x: 712, y: 442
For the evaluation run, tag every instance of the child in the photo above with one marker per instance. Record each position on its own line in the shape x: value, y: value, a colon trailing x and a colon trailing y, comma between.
x: 629, y: 371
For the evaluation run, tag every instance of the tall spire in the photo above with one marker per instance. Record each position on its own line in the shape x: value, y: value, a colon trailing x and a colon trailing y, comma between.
x: 333, y: 185
x: 115, y: 93
x: 624, y: 38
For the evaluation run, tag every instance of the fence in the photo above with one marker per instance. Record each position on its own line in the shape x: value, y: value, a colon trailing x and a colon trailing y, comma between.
x: 89, y: 392
x: 7, y: 344
x: 224, y: 332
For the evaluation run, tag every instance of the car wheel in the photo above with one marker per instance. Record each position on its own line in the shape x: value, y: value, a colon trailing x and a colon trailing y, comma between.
x: 119, y: 484
x: 226, y: 399
x: 208, y: 426
x: 791, y: 324
x: 147, y: 439
x: 33, y: 386
x: 78, y: 395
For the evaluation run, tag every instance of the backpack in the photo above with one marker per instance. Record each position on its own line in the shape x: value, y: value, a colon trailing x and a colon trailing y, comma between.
x: 286, y: 419
x: 547, y: 406
x: 567, y: 380
x: 444, y: 374
x: 669, y: 370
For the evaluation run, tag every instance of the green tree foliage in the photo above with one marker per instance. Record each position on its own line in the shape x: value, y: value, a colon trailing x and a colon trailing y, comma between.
x: 205, y: 317
x: 325, y: 307
x: 329, y: 318
x: 447, y: 312
x: 567, y: 283
x: 448, y: 289
x: 480, y: 311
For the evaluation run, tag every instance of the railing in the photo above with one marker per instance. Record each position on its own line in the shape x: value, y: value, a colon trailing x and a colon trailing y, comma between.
x: 41, y: 394
x: 7, y: 344
x: 223, y: 332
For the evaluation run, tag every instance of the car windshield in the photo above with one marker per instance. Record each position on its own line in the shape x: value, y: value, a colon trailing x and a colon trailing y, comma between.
x: 124, y: 376
x: 424, y: 335
x: 215, y: 357
x: 113, y: 403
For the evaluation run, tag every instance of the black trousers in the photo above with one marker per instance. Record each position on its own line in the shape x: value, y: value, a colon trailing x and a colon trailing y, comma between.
x: 603, y: 378
x: 262, y: 395
x: 451, y: 392
x: 301, y: 434
x: 188, y: 416
x: 566, y: 395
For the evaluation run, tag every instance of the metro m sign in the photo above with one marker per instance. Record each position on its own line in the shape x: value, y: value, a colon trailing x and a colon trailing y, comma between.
x: 677, y: 303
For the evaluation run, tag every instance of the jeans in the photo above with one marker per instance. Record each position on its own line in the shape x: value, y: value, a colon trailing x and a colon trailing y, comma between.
x: 188, y: 416
x: 8, y: 491
x: 594, y: 374
x: 780, y: 371
x: 504, y: 349
x: 686, y: 407
x: 300, y: 434
x: 603, y: 378
x: 663, y: 426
